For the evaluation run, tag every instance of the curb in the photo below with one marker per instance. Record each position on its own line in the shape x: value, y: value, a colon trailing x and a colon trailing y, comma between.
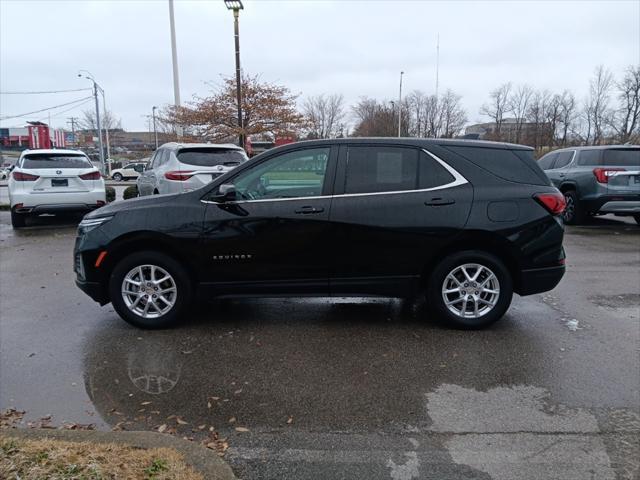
x: 205, y: 461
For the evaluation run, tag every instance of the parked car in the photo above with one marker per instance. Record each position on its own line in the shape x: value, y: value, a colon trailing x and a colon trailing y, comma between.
x: 129, y: 171
x: 179, y: 168
x: 596, y: 180
x: 468, y: 223
x: 53, y: 181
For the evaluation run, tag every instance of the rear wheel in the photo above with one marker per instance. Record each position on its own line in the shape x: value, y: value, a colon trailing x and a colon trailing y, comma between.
x: 574, y: 213
x: 150, y: 290
x: 470, y: 289
x: 117, y: 177
x: 18, y: 220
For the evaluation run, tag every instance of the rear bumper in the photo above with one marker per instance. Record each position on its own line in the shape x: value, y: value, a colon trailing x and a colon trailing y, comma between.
x: 630, y: 207
x: 95, y: 290
x: 539, y: 280
x: 621, y: 204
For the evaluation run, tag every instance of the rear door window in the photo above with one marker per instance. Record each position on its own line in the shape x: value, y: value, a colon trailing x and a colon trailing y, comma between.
x: 622, y: 157
x: 211, y: 157
x: 564, y: 159
x: 53, y: 160
x: 431, y: 174
x: 381, y: 169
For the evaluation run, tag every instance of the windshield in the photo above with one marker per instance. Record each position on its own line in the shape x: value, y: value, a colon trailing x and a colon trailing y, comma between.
x: 209, y: 157
x: 53, y: 160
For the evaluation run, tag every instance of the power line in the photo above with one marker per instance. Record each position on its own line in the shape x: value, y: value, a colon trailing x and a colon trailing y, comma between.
x: 45, y: 109
x: 69, y: 109
x: 44, y: 92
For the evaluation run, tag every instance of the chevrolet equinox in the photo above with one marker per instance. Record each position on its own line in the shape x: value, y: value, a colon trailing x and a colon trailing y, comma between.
x: 467, y: 223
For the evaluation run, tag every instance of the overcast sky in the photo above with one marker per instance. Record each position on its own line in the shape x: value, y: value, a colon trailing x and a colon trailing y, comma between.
x: 356, y: 48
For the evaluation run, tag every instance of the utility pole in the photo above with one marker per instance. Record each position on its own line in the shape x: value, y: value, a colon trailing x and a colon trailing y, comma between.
x: 236, y: 6
x: 86, y: 74
x: 437, y: 66
x: 174, y: 59
x: 73, y: 121
x: 400, y: 107
x: 155, y: 130
x: 106, y: 129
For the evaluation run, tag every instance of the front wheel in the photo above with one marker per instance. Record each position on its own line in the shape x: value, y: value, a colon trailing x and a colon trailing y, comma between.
x: 470, y: 289
x: 150, y: 290
x: 573, y: 212
x: 117, y: 177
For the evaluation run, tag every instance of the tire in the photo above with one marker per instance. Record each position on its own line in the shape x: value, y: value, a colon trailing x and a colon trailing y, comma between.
x: 117, y: 177
x: 574, y: 213
x: 18, y: 220
x: 441, y: 280
x: 172, y: 309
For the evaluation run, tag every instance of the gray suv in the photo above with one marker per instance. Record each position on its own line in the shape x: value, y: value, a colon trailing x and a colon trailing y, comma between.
x: 180, y: 168
x: 596, y: 180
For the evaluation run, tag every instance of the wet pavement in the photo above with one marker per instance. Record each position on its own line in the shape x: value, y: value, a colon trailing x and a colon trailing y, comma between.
x: 344, y: 388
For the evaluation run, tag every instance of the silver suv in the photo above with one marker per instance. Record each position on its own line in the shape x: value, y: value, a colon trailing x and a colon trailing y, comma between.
x: 596, y: 180
x: 182, y: 167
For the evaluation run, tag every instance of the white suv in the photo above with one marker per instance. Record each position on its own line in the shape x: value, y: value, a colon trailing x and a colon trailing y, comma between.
x: 53, y: 181
x: 178, y: 168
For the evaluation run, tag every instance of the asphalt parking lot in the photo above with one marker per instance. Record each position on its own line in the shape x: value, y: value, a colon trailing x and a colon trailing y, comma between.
x: 344, y: 388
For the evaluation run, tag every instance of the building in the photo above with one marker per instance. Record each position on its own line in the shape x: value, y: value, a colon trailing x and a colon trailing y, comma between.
x: 34, y: 135
x: 508, y: 130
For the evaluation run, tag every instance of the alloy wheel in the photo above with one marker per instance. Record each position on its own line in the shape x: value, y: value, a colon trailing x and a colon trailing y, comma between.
x: 570, y: 208
x: 471, y: 290
x: 149, y: 291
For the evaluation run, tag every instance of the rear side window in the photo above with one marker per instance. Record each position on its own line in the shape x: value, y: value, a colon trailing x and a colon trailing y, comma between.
x: 623, y: 157
x: 53, y: 160
x: 564, y: 159
x: 589, y: 157
x: 381, y: 169
x: 210, y: 157
x: 514, y: 165
x: 431, y: 174
x: 546, y: 162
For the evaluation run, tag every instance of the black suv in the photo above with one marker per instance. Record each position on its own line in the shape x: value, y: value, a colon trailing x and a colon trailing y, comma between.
x: 466, y: 222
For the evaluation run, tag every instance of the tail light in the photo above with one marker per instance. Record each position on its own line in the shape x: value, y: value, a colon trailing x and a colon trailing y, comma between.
x: 180, y: 176
x: 24, y: 177
x: 90, y: 176
x: 553, y: 202
x: 602, y: 174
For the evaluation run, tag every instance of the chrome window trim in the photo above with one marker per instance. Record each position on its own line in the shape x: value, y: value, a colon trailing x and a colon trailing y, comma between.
x: 458, y: 180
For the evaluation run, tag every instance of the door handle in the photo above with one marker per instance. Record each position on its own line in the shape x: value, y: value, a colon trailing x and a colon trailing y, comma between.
x: 437, y: 201
x: 309, y: 210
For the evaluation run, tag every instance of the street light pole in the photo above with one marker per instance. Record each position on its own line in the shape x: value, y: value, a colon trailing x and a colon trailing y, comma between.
x: 155, y: 131
x: 174, y: 59
x: 89, y: 76
x: 106, y: 130
x: 236, y: 6
x: 400, y: 107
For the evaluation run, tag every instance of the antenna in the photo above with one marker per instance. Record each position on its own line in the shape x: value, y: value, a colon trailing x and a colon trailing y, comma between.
x: 437, y: 65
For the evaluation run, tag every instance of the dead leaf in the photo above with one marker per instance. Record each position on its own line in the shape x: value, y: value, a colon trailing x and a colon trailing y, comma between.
x: 181, y: 422
x: 241, y: 429
x: 146, y: 403
x: 238, y: 391
x: 290, y: 420
x: 208, y: 404
x: 202, y: 427
x: 162, y: 427
x: 232, y: 420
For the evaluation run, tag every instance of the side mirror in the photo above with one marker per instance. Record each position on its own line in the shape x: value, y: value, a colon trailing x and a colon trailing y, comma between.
x: 226, y: 193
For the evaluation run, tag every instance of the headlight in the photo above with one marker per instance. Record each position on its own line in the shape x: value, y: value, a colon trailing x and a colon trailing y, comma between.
x: 88, y: 224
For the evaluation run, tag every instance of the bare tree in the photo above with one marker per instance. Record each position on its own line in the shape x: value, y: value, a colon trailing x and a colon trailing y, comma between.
x: 596, y: 108
x: 375, y: 119
x: 626, y: 120
x: 567, y: 115
x: 498, y: 107
x: 107, y: 120
x: 537, y: 115
x: 452, y: 114
x: 518, y: 104
x: 417, y: 105
x: 324, y: 115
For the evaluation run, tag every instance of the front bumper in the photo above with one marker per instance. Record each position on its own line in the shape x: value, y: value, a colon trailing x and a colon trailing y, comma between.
x: 538, y: 280
x: 95, y: 290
